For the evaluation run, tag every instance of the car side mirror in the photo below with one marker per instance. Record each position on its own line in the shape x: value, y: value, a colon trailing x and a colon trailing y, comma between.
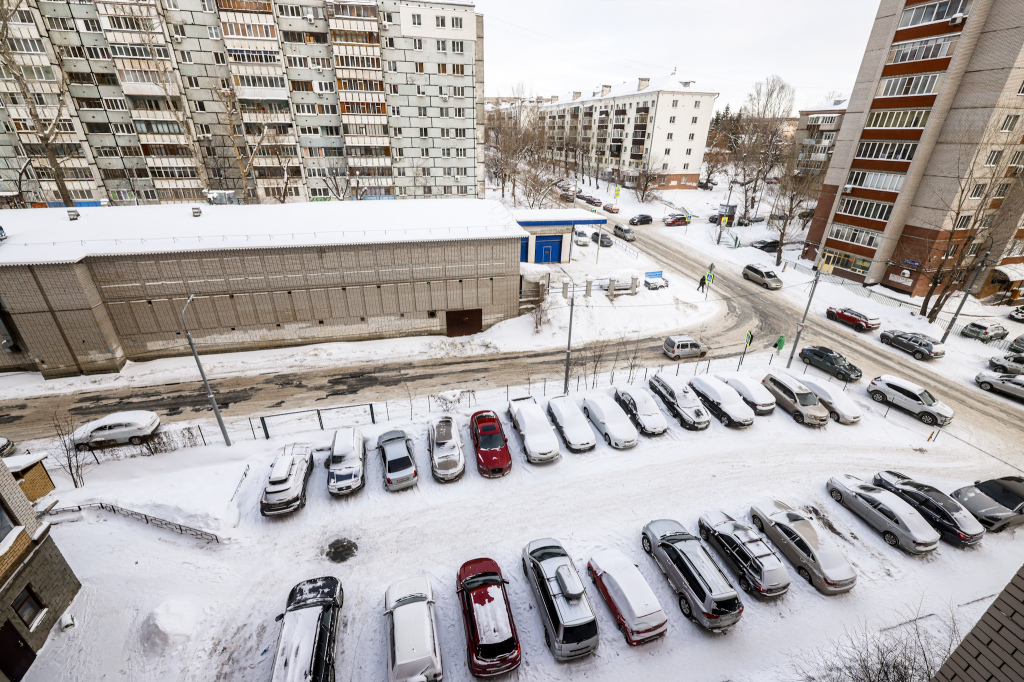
x: 507, y: 582
x: 327, y: 463
x: 279, y: 618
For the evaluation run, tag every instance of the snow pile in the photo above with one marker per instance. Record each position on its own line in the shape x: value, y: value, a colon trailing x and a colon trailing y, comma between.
x: 167, y: 628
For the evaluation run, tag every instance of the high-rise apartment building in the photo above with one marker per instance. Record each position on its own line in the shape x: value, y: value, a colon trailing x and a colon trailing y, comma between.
x: 929, y: 147
x: 322, y: 99
x: 658, y: 127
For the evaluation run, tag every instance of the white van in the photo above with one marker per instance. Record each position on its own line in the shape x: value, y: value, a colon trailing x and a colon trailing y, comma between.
x: 679, y: 347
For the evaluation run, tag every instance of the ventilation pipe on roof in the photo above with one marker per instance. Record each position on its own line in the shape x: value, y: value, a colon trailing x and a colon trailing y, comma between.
x: 644, y: 82
x: 605, y: 89
x: 576, y: 95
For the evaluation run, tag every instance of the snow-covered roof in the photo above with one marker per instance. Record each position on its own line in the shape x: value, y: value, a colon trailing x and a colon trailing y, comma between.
x: 18, y: 463
x: 557, y: 216
x: 47, y: 235
x: 1014, y: 272
x: 838, y: 104
x: 670, y: 83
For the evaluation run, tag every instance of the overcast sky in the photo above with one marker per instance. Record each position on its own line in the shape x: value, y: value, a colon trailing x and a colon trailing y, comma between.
x: 556, y: 46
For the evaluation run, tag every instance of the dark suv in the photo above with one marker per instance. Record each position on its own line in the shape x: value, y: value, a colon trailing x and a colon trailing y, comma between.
x: 918, y: 345
x: 831, y: 362
x: 642, y: 219
x: 759, y: 569
x: 309, y: 628
x: 946, y: 515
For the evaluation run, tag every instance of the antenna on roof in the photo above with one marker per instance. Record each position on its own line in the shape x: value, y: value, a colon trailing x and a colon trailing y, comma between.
x: 674, y: 70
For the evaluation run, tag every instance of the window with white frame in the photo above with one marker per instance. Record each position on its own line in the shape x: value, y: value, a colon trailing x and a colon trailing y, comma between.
x: 892, y: 151
x: 899, y: 118
x: 907, y: 86
x: 442, y: 45
x: 934, y: 11
x: 886, y: 182
x: 993, y: 157
x: 439, y: 21
x: 456, y: 22
x: 458, y: 47
x: 929, y: 48
x: 1001, y: 190
x: 873, y: 210
x: 1010, y: 123
x: 979, y: 191
x: 214, y: 32
x: 855, y: 235
x: 417, y: 20
x: 962, y: 222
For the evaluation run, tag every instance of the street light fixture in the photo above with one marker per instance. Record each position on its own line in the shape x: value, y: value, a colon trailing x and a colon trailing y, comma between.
x: 568, y: 345
x: 209, y: 392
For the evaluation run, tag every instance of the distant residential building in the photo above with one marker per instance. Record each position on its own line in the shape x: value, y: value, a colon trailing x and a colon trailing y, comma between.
x: 939, y: 99
x: 815, y: 136
x: 658, y: 126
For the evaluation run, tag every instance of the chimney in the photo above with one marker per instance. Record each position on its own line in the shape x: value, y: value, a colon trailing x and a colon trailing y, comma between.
x: 644, y: 82
x: 605, y: 89
x: 554, y: 98
x: 576, y: 94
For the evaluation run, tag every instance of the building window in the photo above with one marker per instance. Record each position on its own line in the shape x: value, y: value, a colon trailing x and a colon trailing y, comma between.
x: 1010, y: 123
x: 963, y: 222
x: 417, y: 20
x: 696, y: 105
x: 192, y: 81
x: 220, y: 58
x: 694, y: 121
x: 686, y: 166
x: 972, y: 250
x: 873, y: 210
x: 846, y: 261
x: 423, y: 132
x: 950, y: 251
x: 669, y: 136
x: 419, y: 67
x: 456, y: 22
x: 28, y: 606
x: 934, y: 11
x: 91, y: 26
x: 1001, y: 190
x: 1021, y: 90
x: 442, y: 45
x: 442, y: 68
x: 675, y: 103
x: 930, y: 48
x: 887, y: 182
x: 689, y: 151
x: 424, y: 152
x: 671, y: 119
x: 892, y: 151
x: 691, y: 136
x: 417, y: 43
x: 978, y: 191
x: 213, y: 32
x: 994, y: 157
x: 902, y: 118
x: 458, y: 69
x: 854, y: 235
x: 906, y: 86
x: 186, y: 57
x: 458, y: 47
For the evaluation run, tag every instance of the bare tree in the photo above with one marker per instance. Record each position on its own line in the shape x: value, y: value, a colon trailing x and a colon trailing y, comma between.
x: 759, y: 143
x: 794, y: 194
x: 70, y: 458
x: 247, y: 138
x: 647, y: 187
x: 716, y: 156
x: 633, y: 356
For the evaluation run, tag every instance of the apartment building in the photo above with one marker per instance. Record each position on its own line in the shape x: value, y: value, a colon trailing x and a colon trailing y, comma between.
x: 309, y: 101
x: 815, y: 136
x: 929, y: 146
x: 658, y: 126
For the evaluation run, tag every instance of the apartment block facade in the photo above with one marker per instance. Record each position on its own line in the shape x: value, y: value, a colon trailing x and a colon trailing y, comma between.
x: 315, y: 100
x: 658, y: 126
x: 936, y: 106
x: 815, y: 135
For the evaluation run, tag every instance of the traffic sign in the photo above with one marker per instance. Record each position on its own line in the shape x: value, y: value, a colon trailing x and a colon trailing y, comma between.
x: 709, y: 277
x: 724, y: 220
x: 617, y: 188
x: 656, y: 274
x: 711, y: 268
x: 750, y: 337
x: 799, y: 328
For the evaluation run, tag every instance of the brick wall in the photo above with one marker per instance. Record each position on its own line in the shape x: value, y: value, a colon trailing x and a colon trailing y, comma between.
x: 35, y: 481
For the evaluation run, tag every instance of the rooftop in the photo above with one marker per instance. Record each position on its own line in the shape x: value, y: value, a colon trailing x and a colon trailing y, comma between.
x: 47, y: 235
x: 671, y: 83
x: 557, y: 216
x: 838, y: 104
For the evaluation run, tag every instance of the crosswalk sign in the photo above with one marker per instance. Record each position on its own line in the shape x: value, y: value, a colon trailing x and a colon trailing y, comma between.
x: 709, y: 277
x: 750, y: 337
x: 617, y: 188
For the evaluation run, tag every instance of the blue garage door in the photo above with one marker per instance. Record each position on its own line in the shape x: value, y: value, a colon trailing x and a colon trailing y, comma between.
x: 548, y: 250
x: 524, y: 250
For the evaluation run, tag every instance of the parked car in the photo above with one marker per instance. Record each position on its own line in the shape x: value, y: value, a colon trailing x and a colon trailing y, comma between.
x: 397, y: 460
x: 133, y: 426
x: 985, y: 330
x: 656, y: 282
x: 580, y: 194
x: 766, y: 245
x: 722, y: 401
x: 492, y: 643
x: 286, y: 487
x: 911, y: 398
x: 795, y: 398
x: 642, y: 219
x: 806, y: 214
x: 681, y: 401
x: 674, y: 219
x: 1017, y: 345
x: 1007, y: 364
x: 593, y: 201
x: 610, y: 421
x: 705, y: 595
x: 714, y: 218
x: 414, y: 650
x: 1017, y: 314
x: 447, y: 461
x: 857, y: 320
x: 604, y: 237
x: 642, y: 410
x: 611, y: 208
x: 899, y: 523
x: 808, y: 547
x: 918, y: 345
x: 832, y: 362
x: 346, y: 465
x: 539, y: 441
x: 492, y: 456
x: 953, y: 522
x: 756, y: 396
x: 832, y: 397
x: 570, y: 625
x: 309, y: 630
x: 6, y: 447
x: 760, y: 275
x: 759, y: 570
x: 681, y: 346
x: 633, y: 604
x: 742, y: 222
x: 1010, y: 384
x: 623, y: 232
x: 706, y: 184
x: 580, y: 238
x: 567, y: 197
x: 998, y: 503
x: 572, y: 424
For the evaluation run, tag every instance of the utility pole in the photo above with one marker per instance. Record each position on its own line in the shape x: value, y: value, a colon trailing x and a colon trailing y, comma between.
x: 209, y: 392
x: 568, y: 345
x: 967, y: 291
x: 800, y: 327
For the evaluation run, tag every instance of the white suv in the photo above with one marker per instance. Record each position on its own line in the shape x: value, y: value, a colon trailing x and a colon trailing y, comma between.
x: 910, y: 397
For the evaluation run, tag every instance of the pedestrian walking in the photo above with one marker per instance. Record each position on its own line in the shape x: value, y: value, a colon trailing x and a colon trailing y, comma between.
x: 703, y: 281
x: 779, y: 343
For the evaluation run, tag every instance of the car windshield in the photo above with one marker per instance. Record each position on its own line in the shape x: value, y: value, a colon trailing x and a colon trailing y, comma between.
x: 807, y: 399
x: 580, y: 633
x: 941, y: 500
x: 492, y: 651
x: 840, y: 361
x: 443, y: 432
x: 481, y: 580
x: 1005, y: 493
x: 769, y: 274
x: 411, y: 599
x: 337, y: 459
x: 399, y: 464
x: 927, y: 398
x: 491, y: 441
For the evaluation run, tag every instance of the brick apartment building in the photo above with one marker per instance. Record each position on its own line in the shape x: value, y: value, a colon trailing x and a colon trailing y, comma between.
x: 938, y: 99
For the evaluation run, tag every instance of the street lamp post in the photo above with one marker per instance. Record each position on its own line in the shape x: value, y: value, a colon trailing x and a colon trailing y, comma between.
x: 967, y: 291
x: 209, y: 392
x: 803, y: 321
x: 568, y: 345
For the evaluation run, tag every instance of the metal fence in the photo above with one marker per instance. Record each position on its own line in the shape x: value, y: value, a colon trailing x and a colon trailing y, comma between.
x: 150, y: 520
x: 306, y: 420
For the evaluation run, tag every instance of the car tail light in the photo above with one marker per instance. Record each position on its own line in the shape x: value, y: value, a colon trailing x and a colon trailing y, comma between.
x: 829, y: 582
x: 962, y: 536
x: 389, y: 480
x: 415, y: 474
x: 918, y: 543
x: 760, y: 588
x: 709, y: 616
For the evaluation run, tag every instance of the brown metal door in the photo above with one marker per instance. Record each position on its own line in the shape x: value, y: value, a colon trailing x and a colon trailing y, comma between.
x: 16, y: 655
x: 464, y: 322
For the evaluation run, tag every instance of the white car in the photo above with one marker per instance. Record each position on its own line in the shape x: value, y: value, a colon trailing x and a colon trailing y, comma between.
x: 633, y: 603
x: 840, y: 406
x: 286, y: 485
x: 539, y: 440
x: 1012, y: 363
x: 134, y: 426
x: 414, y: 650
x: 656, y: 282
x: 722, y: 401
x: 610, y: 421
x: 681, y: 401
x: 754, y: 394
x: 447, y: 463
x: 346, y: 465
x: 581, y: 238
x: 642, y: 409
x: 1010, y: 384
x: 909, y: 396
x: 572, y: 424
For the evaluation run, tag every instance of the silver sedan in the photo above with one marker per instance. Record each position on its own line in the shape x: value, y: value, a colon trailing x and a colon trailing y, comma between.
x: 899, y: 523
x: 808, y: 547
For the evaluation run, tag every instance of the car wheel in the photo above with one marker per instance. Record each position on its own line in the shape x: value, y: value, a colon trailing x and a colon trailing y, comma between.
x: 608, y: 439
x: 677, y: 357
x: 547, y: 639
x: 586, y: 413
x: 885, y: 340
x: 834, y: 415
x: 744, y: 584
x: 684, y: 606
x: 1000, y: 369
x: 83, y: 447
x: 746, y: 277
x: 758, y: 523
x: 890, y: 539
x: 927, y: 418
x: 645, y: 542
x: 703, y: 533
x: 302, y: 500
x: 985, y: 386
x: 918, y: 355
x: 831, y: 315
x: 135, y: 440
x: 804, y: 573
x: 798, y: 418
x: 725, y: 420
x: 806, y: 360
x: 623, y: 631
x: 843, y: 376
x: 861, y: 328
x: 765, y: 285
x: 590, y: 572
x: 878, y: 396
x: 525, y: 570
x: 836, y: 495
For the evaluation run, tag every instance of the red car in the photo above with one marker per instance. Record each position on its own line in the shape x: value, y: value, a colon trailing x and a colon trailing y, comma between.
x: 491, y: 639
x: 611, y: 208
x: 858, y: 321
x: 492, y: 456
x: 677, y: 220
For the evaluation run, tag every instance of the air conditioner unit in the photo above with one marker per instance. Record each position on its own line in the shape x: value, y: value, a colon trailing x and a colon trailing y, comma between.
x: 319, y: 94
x: 444, y: 98
x: 176, y: 39
x: 848, y: 189
x: 309, y: 18
x: 956, y: 19
x: 204, y: 137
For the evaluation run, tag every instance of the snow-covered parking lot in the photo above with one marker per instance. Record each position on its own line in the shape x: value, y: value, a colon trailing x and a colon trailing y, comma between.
x: 158, y: 606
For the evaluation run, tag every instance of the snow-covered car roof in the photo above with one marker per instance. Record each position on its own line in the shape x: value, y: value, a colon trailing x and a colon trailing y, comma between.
x: 296, y: 643
x: 832, y: 561
x: 574, y: 425
x: 622, y: 577
x: 833, y: 393
x: 491, y: 616
x: 127, y: 417
x: 535, y: 427
x: 345, y: 441
x: 909, y: 385
x: 645, y: 404
x: 613, y: 414
x: 748, y: 387
x: 717, y: 390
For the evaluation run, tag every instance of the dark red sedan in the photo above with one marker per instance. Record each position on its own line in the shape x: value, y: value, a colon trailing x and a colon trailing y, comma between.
x: 492, y: 456
x: 491, y: 639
